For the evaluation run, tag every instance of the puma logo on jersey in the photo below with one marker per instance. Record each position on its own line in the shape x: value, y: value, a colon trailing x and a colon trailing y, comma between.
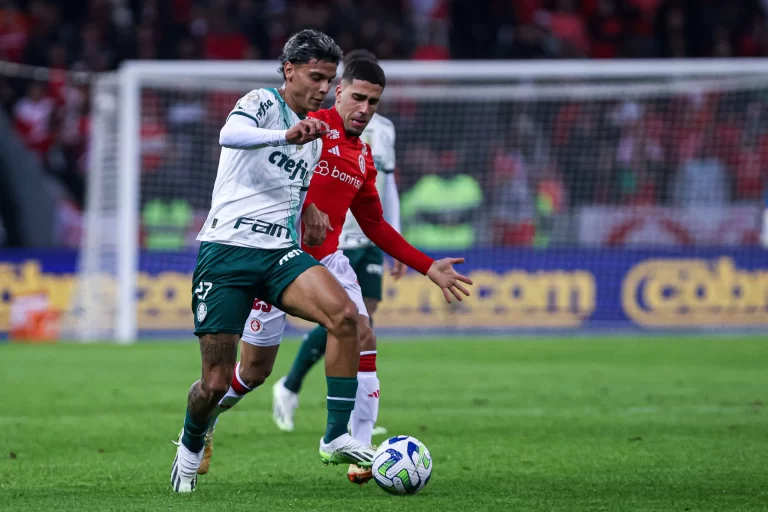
x: 335, y: 151
x: 289, y: 255
x: 289, y: 165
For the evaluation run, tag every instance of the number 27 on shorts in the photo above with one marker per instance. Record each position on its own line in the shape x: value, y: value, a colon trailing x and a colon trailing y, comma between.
x: 202, y: 289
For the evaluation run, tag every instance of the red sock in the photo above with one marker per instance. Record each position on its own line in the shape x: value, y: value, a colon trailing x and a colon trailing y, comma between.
x: 238, y: 386
x: 367, y: 361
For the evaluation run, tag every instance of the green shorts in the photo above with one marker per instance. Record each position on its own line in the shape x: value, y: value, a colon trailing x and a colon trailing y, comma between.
x: 368, y: 264
x: 228, y: 278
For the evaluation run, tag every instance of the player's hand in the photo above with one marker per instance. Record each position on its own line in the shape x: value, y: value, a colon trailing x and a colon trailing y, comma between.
x: 306, y: 130
x: 316, y: 225
x: 398, y: 270
x: 443, y: 275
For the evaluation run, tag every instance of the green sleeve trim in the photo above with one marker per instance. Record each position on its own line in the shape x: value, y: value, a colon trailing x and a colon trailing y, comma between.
x: 304, y: 189
x: 284, y: 108
x: 240, y: 113
x: 279, y: 98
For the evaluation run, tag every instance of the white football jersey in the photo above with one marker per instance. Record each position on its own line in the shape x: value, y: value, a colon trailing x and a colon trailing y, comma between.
x: 258, y: 192
x: 380, y: 135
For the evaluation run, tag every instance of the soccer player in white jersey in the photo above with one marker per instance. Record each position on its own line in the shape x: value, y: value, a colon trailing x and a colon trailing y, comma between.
x: 250, y: 248
x: 367, y: 261
x: 345, y: 179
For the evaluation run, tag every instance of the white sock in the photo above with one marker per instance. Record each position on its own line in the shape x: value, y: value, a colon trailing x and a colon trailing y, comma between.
x: 237, y: 390
x: 366, y: 409
x: 189, y: 461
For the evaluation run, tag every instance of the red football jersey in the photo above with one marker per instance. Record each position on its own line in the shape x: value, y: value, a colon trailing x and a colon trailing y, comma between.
x: 344, y: 179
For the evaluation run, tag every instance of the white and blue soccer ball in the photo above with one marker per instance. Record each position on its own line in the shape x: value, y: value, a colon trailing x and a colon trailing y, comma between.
x: 402, y: 465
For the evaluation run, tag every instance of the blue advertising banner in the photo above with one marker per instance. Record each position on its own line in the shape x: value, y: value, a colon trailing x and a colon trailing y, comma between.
x: 514, y: 289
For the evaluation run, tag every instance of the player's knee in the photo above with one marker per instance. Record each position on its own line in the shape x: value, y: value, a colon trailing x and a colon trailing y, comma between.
x: 367, y: 337
x: 216, y: 386
x: 343, y: 320
x: 254, y: 375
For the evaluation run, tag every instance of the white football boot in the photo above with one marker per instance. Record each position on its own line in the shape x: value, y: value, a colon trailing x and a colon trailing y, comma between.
x: 284, y: 404
x: 345, y: 449
x: 184, y: 468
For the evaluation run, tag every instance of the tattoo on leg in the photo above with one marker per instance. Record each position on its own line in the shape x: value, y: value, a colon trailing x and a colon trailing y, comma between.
x: 197, y: 404
x: 218, y: 350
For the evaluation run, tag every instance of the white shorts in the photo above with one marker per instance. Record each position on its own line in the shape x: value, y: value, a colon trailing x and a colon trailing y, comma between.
x: 266, y: 323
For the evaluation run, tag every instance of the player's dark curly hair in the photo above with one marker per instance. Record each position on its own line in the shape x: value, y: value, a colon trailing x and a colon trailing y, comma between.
x: 307, y: 45
x: 359, y: 54
x: 366, y: 70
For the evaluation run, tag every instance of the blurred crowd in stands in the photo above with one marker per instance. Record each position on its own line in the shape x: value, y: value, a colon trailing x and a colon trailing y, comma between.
x: 96, y: 35
x: 547, y: 159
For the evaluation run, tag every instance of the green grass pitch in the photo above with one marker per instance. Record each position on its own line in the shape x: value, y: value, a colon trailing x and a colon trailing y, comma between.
x: 635, y: 424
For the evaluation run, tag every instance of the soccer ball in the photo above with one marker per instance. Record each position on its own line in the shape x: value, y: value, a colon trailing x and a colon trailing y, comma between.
x: 402, y: 465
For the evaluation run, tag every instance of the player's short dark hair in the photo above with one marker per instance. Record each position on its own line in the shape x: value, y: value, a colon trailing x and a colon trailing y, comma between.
x: 359, y: 54
x: 366, y: 70
x: 308, y: 45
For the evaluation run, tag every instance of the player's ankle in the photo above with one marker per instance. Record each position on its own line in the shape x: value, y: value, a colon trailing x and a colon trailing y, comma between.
x: 340, y: 402
x: 193, y: 436
x: 292, y: 383
x: 334, y: 431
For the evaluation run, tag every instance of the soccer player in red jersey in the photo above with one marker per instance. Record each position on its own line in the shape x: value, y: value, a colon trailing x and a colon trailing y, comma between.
x: 343, y: 180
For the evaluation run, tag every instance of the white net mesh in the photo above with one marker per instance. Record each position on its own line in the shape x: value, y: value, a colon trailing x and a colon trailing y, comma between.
x: 555, y: 190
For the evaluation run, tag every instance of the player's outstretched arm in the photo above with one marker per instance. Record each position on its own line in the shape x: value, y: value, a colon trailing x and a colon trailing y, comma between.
x: 440, y: 272
x: 366, y: 207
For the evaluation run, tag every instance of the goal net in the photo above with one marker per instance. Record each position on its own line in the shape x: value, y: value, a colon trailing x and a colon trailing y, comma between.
x: 583, y: 195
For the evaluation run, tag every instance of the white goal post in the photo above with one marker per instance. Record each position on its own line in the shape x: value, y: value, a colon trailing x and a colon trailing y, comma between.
x: 106, y: 291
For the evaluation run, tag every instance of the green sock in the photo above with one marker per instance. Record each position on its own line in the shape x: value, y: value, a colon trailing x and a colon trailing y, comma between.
x: 341, y: 401
x: 194, y: 434
x: 311, y: 351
